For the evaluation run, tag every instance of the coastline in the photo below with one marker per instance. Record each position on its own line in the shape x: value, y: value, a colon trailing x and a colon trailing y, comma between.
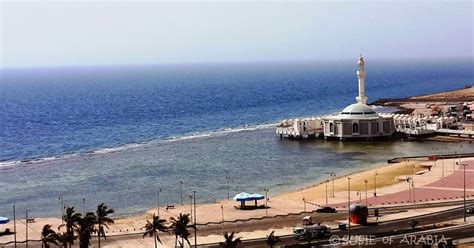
x: 285, y: 204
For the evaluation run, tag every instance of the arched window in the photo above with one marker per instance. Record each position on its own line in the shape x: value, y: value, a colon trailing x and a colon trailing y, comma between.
x: 331, y: 127
x: 355, y: 128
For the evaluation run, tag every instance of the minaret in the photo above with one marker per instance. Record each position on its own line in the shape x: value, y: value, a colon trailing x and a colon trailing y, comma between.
x: 361, y: 76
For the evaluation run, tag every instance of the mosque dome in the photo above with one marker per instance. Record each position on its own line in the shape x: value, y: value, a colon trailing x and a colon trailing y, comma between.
x: 359, y: 109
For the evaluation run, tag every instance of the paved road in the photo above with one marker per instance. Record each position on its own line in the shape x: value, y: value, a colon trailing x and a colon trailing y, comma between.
x: 379, y: 230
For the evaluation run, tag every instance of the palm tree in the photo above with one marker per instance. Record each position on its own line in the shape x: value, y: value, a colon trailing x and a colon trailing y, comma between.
x: 179, y: 227
x: 48, y: 236
x: 86, y: 226
x: 152, y: 228
x: 230, y: 242
x: 102, y: 213
x: 272, y: 239
x: 70, y: 218
x: 62, y: 239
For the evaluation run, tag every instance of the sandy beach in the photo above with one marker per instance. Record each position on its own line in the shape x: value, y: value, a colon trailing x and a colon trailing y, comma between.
x: 390, y: 180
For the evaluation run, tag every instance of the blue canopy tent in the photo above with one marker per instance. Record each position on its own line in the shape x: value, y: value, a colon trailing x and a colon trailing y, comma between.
x: 4, y: 220
x: 243, y: 197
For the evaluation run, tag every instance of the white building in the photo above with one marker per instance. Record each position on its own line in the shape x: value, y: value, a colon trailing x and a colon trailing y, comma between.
x: 358, y: 120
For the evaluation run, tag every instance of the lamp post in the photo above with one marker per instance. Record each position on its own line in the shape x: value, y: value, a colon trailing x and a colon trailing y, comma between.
x: 222, y: 209
x: 409, y: 189
x: 84, y: 205
x: 181, y: 190
x: 158, y: 203
x: 26, y: 229
x: 442, y: 165
x: 304, y: 204
x: 327, y: 192
x: 191, y: 205
x: 375, y: 183
x: 413, y: 187
x: 349, y: 206
x: 333, y: 179
x: 464, y: 212
x: 61, y: 201
x: 227, y: 179
x: 266, y: 200
x: 14, y: 224
x: 366, y: 201
x: 195, y: 217
x: 332, y: 175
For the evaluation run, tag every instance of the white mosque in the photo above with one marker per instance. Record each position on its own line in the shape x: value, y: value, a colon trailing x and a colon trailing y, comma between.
x: 356, y: 121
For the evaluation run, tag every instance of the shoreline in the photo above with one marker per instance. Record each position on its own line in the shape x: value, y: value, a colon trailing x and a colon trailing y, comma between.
x: 389, y: 181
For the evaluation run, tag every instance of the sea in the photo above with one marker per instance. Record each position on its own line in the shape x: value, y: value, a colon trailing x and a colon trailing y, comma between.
x: 118, y: 134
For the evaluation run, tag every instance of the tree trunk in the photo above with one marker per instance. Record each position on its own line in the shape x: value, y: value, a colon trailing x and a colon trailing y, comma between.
x: 155, y: 241
x: 175, y: 241
x: 98, y: 236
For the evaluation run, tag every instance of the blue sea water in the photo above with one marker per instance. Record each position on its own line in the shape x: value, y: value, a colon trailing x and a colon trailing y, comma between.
x: 50, y: 112
x: 115, y: 134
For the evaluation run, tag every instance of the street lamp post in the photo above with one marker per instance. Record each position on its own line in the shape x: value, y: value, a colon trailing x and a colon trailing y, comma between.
x: 158, y: 203
x: 61, y: 200
x: 366, y: 201
x: 14, y: 224
x: 464, y: 212
x: 84, y: 205
x: 266, y: 200
x: 375, y: 183
x: 409, y: 188
x: 191, y: 205
x: 26, y: 229
x: 327, y: 192
x: 195, y: 217
x: 333, y: 179
x: 181, y: 190
x: 222, y: 209
x: 349, y: 206
x: 227, y: 178
x: 304, y: 204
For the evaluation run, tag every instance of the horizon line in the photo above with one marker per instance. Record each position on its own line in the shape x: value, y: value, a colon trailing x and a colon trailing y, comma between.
x: 229, y: 62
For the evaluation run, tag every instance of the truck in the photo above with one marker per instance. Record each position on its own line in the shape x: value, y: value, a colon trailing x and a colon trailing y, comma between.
x: 313, y: 231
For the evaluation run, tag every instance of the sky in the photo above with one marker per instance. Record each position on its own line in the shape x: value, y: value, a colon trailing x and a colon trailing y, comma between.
x: 59, y: 33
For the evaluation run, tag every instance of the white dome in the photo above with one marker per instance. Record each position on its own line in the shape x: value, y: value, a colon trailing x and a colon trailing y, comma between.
x: 358, y: 109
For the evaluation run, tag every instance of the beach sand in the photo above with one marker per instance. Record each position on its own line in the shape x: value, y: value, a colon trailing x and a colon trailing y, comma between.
x: 390, y: 180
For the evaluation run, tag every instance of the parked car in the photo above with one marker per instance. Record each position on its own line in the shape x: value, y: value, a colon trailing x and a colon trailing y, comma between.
x: 326, y: 210
x: 470, y: 210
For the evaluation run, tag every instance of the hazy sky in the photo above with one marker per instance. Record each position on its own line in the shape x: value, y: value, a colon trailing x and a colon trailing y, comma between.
x: 45, y: 33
